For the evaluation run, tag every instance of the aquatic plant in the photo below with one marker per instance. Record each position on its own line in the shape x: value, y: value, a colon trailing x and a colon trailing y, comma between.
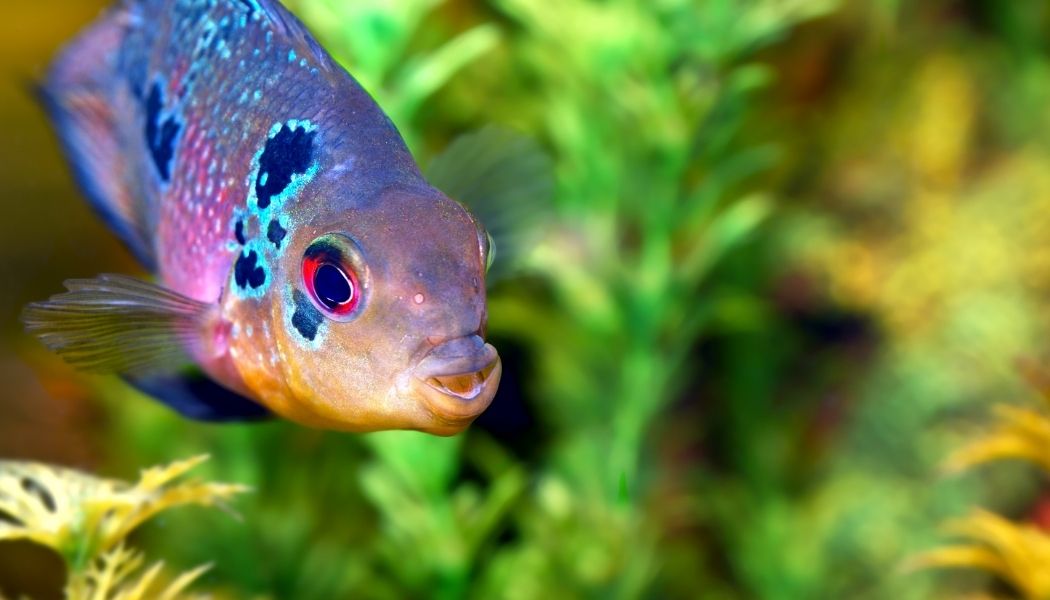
x: 1019, y: 553
x: 86, y: 519
x: 641, y: 110
x: 791, y: 240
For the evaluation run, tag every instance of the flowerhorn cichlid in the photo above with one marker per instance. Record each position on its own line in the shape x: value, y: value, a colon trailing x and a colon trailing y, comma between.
x: 303, y: 265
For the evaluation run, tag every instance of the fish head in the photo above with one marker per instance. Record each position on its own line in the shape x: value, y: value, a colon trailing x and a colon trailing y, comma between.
x: 379, y: 317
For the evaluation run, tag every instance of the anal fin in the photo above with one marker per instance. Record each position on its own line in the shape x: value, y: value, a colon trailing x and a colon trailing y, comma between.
x: 193, y: 395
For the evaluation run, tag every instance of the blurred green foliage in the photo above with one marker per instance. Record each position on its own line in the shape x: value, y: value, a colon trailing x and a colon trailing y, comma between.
x: 798, y: 247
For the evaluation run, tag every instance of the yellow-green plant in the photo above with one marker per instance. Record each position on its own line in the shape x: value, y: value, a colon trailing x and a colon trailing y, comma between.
x: 1019, y: 553
x: 115, y: 575
x: 86, y: 519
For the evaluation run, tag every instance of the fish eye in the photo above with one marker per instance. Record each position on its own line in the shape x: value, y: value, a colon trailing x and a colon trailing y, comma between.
x: 332, y: 286
x: 486, y: 245
x: 330, y: 279
x: 490, y: 251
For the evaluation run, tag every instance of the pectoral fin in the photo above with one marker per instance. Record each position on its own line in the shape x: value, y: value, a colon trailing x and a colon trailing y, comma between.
x: 507, y: 181
x: 119, y: 324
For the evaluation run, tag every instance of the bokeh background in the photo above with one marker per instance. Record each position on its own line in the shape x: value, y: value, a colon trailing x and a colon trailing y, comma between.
x: 799, y: 247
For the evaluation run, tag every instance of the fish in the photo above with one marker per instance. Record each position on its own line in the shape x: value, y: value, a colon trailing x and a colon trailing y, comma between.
x: 300, y: 264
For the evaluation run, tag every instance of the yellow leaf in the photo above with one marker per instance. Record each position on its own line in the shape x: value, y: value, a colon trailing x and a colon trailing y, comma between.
x: 112, y: 576
x: 1019, y: 554
x: 82, y: 516
x: 961, y: 556
x: 1019, y: 433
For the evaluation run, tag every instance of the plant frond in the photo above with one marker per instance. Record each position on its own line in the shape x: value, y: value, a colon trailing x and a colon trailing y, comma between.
x: 1017, y: 553
x: 117, y: 575
x: 81, y: 516
x: 1019, y: 433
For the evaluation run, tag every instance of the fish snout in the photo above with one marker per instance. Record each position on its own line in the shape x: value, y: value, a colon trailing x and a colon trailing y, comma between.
x: 457, y: 379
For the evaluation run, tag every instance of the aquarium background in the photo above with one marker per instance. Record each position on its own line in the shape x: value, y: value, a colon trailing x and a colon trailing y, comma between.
x: 798, y: 249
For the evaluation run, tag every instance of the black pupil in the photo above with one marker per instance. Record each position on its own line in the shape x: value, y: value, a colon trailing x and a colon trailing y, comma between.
x: 332, y: 286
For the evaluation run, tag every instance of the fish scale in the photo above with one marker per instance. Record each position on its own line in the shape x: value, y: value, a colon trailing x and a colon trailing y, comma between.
x: 224, y: 103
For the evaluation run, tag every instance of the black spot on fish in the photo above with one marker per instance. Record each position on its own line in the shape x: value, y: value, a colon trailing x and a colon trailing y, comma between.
x: 247, y: 271
x: 250, y: 6
x: 275, y: 233
x: 160, y: 136
x: 238, y: 232
x: 306, y: 318
x: 286, y: 154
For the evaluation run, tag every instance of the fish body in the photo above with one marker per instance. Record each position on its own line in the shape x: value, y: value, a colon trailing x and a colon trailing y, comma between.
x: 303, y: 264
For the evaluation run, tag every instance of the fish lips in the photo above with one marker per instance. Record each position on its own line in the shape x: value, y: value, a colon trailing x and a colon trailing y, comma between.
x: 457, y: 379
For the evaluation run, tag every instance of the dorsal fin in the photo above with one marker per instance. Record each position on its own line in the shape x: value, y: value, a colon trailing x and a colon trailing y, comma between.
x: 87, y: 106
x: 293, y: 30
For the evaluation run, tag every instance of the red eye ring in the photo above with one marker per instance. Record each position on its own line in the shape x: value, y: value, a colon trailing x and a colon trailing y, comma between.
x: 332, y: 285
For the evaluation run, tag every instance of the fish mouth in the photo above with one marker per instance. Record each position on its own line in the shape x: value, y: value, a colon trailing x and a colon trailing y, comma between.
x: 457, y: 379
